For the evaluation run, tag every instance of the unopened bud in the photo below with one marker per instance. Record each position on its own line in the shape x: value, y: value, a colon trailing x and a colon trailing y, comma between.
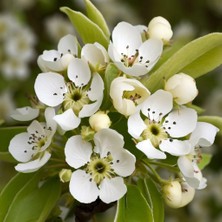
x: 65, y: 175
x: 187, y: 194
x: 182, y: 87
x: 99, y: 120
x: 160, y: 28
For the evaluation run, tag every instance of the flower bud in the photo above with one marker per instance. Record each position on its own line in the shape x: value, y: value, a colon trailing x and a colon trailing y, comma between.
x: 160, y: 28
x: 172, y: 194
x: 99, y: 120
x: 183, y: 88
x: 65, y: 175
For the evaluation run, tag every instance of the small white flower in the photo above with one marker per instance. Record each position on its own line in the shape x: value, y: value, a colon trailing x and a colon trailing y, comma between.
x: 99, y: 120
x: 129, y: 53
x: 203, y: 136
x: 158, y: 132
x: 160, y: 28
x: 127, y: 94
x: 25, y: 113
x: 100, y: 168
x: 96, y: 55
x: 183, y: 88
x: 58, y: 60
x: 31, y: 148
x: 80, y: 97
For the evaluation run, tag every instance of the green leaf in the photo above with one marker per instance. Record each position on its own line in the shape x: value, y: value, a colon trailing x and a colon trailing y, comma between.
x: 95, y: 15
x: 195, y: 58
x: 215, y: 120
x: 206, y: 158
x: 6, y: 134
x: 153, y: 197
x: 133, y: 207
x: 29, y: 201
x: 89, y: 31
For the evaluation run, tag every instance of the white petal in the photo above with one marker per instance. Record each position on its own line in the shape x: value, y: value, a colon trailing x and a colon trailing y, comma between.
x: 67, y: 120
x: 20, y: 149
x: 25, y: 113
x: 68, y: 44
x: 96, y: 88
x: 157, y: 105
x: 36, y: 128
x: 175, y: 147
x: 150, y: 151
x: 112, y: 189
x: 204, y: 134
x: 106, y: 140
x: 81, y: 188
x: 50, y: 88
x: 180, y: 122
x: 34, y: 165
x: 123, y: 163
x: 136, y: 125
x: 79, y: 72
x: 185, y: 166
x: 90, y: 109
x: 50, y: 122
x: 151, y: 51
x: 126, y: 38
x: 77, y: 151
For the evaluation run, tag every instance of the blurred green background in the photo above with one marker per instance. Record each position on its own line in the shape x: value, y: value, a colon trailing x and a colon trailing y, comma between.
x: 27, y: 27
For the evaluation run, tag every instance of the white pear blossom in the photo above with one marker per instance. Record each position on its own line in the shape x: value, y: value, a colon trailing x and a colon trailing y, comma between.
x: 96, y: 55
x: 32, y: 148
x: 183, y: 88
x: 129, y: 53
x: 203, y: 136
x: 159, y: 128
x: 127, y: 94
x: 58, y: 60
x: 100, y: 168
x: 160, y: 28
x: 26, y: 113
x: 78, y: 97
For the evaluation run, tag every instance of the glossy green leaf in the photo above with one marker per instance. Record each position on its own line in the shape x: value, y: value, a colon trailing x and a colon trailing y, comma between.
x: 18, y: 183
x: 215, y: 120
x: 95, y: 15
x: 31, y: 202
x: 133, y: 207
x: 89, y: 31
x: 195, y: 58
x: 6, y: 134
x: 206, y: 158
x: 153, y: 197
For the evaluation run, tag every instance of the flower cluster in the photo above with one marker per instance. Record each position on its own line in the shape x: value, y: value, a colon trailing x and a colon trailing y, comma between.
x: 83, y: 103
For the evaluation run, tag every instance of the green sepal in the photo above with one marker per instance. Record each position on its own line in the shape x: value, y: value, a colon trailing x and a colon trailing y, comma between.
x: 89, y: 31
x: 206, y: 158
x: 196, y: 58
x: 6, y: 134
x: 215, y: 120
x: 96, y: 16
x: 133, y: 207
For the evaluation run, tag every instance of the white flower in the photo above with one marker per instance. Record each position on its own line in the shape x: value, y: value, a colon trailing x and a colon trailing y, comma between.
x: 25, y: 113
x: 58, y: 60
x: 158, y: 132
x: 127, y: 94
x: 183, y: 88
x: 129, y: 53
x: 96, y: 55
x: 100, y: 168
x: 80, y: 97
x: 31, y: 148
x: 99, y: 120
x: 160, y: 28
x: 203, y: 136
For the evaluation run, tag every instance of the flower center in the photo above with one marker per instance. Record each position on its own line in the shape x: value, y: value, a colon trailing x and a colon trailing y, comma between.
x: 100, y: 168
x: 154, y: 132
x: 75, y: 98
x: 129, y: 60
x: 132, y: 95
